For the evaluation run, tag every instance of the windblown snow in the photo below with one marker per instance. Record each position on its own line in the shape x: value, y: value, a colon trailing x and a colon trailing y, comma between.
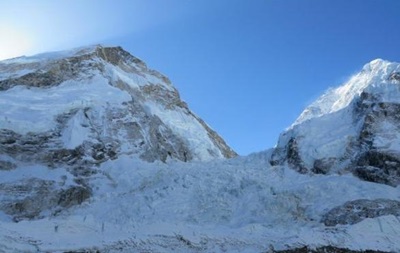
x: 374, y: 78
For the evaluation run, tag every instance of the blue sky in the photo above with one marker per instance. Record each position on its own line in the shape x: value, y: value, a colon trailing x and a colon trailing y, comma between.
x: 248, y: 68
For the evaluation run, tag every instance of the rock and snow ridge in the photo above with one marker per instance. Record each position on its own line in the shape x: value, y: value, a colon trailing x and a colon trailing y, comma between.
x: 103, y: 96
x: 92, y: 159
x: 353, y: 128
x: 74, y: 110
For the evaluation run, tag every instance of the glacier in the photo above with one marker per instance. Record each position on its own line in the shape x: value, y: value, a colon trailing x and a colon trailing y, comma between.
x: 237, y: 205
x: 98, y: 153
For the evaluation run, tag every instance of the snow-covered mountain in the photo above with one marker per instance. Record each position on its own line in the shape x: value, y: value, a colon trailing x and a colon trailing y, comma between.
x: 353, y: 128
x: 99, y: 154
x: 99, y: 102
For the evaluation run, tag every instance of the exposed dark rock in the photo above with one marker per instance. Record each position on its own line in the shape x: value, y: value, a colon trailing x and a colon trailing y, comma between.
x: 32, y: 79
x: 8, y: 137
x: 323, y: 166
x: 278, y: 156
x: 27, y: 199
x: 101, y: 152
x: 26, y: 147
x: 184, y: 243
x: 117, y: 56
x: 395, y: 76
x: 73, y: 196
x: 372, y: 174
x: 52, y: 75
x: 170, y: 98
x: 371, y: 163
x: 379, y: 159
x: 361, y: 156
x: 165, y: 144
x: 379, y: 167
x: 355, y: 211
x: 63, y: 155
x: 7, y: 165
x: 289, y: 154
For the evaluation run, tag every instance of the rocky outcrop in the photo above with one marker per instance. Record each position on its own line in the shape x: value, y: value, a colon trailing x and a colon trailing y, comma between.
x: 355, y: 211
x: 374, y: 158
x: 7, y: 165
x: 289, y: 154
x: 28, y: 198
x: 164, y: 144
x: 189, y: 247
x: 379, y: 167
x: 353, y: 128
x: 395, y: 76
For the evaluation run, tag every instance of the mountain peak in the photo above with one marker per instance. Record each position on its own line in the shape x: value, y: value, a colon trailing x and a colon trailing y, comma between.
x: 376, y: 64
x: 352, y: 128
x: 378, y: 77
x: 99, y: 94
x: 111, y: 54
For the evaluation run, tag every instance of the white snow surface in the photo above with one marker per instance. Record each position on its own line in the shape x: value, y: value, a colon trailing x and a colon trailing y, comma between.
x: 76, y: 132
x: 373, y: 78
x: 191, y: 131
x: 34, y: 109
x: 237, y: 205
x: 323, y: 137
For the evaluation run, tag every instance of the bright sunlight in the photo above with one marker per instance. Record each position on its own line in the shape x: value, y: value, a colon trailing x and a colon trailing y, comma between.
x: 13, y: 42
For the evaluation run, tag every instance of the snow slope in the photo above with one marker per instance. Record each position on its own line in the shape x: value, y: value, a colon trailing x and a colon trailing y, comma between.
x: 99, y: 154
x: 236, y: 205
x: 335, y: 133
x: 373, y: 78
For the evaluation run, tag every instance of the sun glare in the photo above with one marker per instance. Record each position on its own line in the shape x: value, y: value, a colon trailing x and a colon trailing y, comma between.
x: 13, y: 42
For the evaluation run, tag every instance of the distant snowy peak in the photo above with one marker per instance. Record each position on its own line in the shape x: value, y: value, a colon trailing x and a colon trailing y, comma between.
x: 353, y: 128
x: 378, y: 77
x: 99, y: 102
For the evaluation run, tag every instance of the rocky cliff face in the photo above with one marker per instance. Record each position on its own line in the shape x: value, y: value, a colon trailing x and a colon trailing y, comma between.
x: 353, y: 128
x: 77, y: 109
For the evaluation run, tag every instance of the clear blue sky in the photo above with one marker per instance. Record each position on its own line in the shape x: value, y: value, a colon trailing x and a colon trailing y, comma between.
x: 247, y: 67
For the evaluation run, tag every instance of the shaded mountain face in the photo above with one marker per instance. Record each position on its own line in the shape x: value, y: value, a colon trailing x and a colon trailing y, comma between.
x: 353, y: 128
x: 77, y: 109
